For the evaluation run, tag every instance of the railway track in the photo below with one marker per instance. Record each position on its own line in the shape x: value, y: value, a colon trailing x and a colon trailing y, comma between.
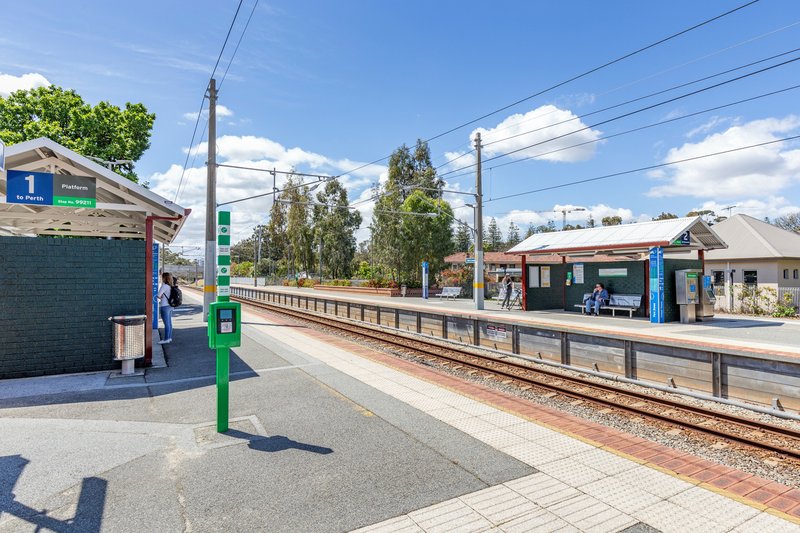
x: 752, y: 433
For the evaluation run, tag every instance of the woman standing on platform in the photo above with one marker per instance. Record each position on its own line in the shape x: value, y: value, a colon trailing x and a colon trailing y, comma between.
x: 164, y: 309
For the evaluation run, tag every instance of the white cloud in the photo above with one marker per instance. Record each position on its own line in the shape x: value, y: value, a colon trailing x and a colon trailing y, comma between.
x: 712, y: 124
x: 534, y: 134
x: 222, y: 112
x: 523, y: 218
x: 233, y: 184
x: 10, y: 83
x: 761, y: 171
x: 772, y: 207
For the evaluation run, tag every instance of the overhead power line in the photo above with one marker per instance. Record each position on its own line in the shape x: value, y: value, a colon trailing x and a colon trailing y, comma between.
x: 239, y: 42
x: 630, y: 113
x: 647, y: 126
x: 574, y: 78
x: 640, y: 169
x: 595, y: 69
x: 203, y: 100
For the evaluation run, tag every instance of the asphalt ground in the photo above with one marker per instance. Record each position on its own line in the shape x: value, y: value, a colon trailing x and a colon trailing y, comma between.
x: 310, y: 448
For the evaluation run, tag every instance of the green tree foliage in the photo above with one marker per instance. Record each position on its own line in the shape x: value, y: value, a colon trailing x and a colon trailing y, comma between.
x: 706, y: 214
x: 174, y: 258
x: 335, y: 226
x: 407, y: 171
x: 299, y: 234
x: 611, y: 221
x: 494, y: 237
x: 665, y: 216
x: 424, y: 238
x: 542, y: 228
x: 789, y: 222
x: 276, y: 240
x: 104, y: 131
x: 513, y: 235
x: 462, y: 240
x: 590, y: 222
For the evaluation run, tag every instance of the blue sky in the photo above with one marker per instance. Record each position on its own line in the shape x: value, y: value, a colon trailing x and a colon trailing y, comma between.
x: 326, y: 86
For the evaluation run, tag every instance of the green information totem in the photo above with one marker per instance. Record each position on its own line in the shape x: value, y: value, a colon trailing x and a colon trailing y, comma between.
x: 224, y: 319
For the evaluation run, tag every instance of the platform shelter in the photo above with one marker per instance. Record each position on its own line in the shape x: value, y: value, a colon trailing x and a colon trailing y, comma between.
x: 58, y: 290
x: 649, y: 254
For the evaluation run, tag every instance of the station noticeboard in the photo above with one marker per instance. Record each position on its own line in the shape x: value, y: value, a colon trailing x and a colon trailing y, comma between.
x: 42, y: 188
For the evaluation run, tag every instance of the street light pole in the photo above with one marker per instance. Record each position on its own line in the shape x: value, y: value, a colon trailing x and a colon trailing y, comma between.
x: 477, y: 282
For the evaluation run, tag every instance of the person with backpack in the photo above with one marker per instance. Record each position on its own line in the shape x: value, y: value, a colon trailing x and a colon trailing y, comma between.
x: 508, y: 287
x: 165, y: 293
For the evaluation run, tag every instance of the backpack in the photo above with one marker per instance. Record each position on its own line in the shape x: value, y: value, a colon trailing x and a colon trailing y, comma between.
x: 175, y: 296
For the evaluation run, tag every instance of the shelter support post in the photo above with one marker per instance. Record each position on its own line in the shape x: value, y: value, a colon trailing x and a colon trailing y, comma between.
x: 524, y: 283
x: 148, y: 288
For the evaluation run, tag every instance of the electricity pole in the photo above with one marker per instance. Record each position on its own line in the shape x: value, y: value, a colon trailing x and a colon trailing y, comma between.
x: 257, y: 253
x: 477, y: 282
x: 209, y: 269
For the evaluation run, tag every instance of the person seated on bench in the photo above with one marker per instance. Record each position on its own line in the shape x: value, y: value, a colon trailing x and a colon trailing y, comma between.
x: 596, y: 300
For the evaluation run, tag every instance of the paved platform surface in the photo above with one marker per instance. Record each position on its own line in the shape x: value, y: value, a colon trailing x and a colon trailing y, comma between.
x: 763, y: 335
x: 330, y: 436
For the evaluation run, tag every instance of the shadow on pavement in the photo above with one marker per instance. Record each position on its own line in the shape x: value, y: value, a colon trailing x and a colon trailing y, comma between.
x: 88, y: 515
x: 276, y: 443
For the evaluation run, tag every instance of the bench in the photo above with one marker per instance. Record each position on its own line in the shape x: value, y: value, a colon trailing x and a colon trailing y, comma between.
x: 617, y: 302
x: 450, y: 292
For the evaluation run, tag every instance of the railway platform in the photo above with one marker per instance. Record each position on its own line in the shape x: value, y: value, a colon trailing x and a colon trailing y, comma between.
x: 773, y: 336
x: 330, y: 435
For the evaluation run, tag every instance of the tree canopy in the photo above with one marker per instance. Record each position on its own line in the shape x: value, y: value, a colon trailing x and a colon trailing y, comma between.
x: 104, y: 131
x: 789, y: 222
x: 611, y: 220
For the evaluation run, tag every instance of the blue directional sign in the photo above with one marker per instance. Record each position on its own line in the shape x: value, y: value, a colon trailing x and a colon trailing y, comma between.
x: 425, y: 279
x: 657, y: 285
x: 33, y: 188
x: 155, y: 285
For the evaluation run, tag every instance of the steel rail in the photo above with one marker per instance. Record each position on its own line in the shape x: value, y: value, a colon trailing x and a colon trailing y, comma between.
x: 709, y: 424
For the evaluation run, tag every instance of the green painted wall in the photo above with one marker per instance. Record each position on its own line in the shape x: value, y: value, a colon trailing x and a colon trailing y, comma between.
x: 55, y: 298
x: 551, y: 297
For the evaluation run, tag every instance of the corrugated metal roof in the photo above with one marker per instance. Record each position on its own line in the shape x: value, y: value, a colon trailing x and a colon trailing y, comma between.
x: 750, y: 238
x: 626, y: 237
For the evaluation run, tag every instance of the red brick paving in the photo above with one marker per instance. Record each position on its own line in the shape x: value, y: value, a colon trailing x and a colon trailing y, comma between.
x: 758, y: 490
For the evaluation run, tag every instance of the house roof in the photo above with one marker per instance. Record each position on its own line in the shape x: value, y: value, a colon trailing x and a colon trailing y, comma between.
x: 625, y: 238
x: 121, y: 208
x: 750, y: 238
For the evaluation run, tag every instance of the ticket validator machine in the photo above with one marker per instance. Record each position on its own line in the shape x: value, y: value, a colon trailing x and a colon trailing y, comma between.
x: 687, y: 289
x: 224, y: 325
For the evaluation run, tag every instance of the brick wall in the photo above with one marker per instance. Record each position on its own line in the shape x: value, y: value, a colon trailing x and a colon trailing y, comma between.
x: 55, y: 298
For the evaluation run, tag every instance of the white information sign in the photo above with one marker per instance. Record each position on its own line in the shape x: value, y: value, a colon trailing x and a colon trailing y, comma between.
x: 613, y: 272
x: 545, y: 276
x: 577, y: 273
x: 223, y: 290
x: 223, y: 250
x: 223, y: 270
x: 223, y: 230
x: 533, y: 277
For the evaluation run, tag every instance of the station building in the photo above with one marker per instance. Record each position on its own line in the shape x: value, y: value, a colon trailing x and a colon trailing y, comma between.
x: 628, y: 267
x: 759, y: 255
x: 77, y: 246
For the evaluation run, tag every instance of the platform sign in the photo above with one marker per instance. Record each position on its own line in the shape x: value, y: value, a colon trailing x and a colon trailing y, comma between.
x: 657, y: 285
x: 74, y: 191
x: 469, y: 261
x: 42, y: 188
x: 684, y: 240
x: 155, y: 285
x: 32, y: 188
x: 425, y: 280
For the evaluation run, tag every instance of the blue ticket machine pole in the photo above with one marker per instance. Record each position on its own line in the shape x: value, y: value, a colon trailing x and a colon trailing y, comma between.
x: 657, y: 285
x: 425, y: 280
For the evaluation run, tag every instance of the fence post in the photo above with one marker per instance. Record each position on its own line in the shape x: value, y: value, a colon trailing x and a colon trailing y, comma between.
x: 444, y: 326
x: 476, y: 331
x: 564, y: 348
x: 716, y: 374
x: 397, y: 318
x: 419, y: 322
x: 629, y: 366
x: 515, y: 339
x: 362, y: 312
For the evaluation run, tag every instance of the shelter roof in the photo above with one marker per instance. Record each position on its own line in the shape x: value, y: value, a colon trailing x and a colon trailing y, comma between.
x: 121, y: 208
x: 625, y: 238
x: 503, y: 257
x: 750, y: 238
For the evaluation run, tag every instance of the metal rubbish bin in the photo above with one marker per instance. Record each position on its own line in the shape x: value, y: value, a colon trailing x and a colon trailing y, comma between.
x: 128, y: 340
